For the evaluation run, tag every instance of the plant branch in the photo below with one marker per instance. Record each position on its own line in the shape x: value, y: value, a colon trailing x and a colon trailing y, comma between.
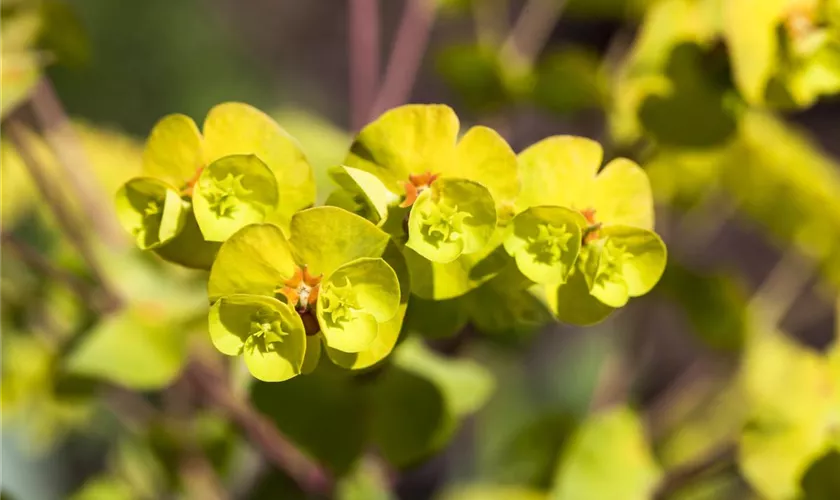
x: 780, y: 289
x: 32, y: 258
x: 406, y: 55
x: 363, y: 31
x: 685, y: 474
x: 531, y: 31
x: 260, y: 431
x: 67, y: 147
x: 60, y: 207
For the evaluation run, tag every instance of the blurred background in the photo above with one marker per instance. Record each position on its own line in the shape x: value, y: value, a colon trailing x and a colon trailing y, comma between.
x: 742, y: 159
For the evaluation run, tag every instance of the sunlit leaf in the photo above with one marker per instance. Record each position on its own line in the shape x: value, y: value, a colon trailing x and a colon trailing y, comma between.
x: 608, y: 459
x: 483, y: 156
x: 232, y: 192
x: 622, y: 195
x: 559, y: 170
x: 173, y: 150
x: 189, y: 248
x: 572, y: 302
x: 255, y: 260
x: 235, y: 128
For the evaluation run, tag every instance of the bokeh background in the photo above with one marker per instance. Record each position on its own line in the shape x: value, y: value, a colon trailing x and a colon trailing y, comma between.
x: 747, y: 191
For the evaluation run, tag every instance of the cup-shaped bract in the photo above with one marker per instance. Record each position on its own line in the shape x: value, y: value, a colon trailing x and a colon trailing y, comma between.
x: 268, y: 333
x: 151, y: 210
x: 265, y: 164
x: 545, y: 242
x: 354, y: 300
x: 451, y: 218
x: 232, y: 192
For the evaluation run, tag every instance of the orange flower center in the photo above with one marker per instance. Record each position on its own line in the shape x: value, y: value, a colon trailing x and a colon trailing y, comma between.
x: 301, y: 290
x: 188, y: 188
x: 416, y: 184
x: 592, y: 232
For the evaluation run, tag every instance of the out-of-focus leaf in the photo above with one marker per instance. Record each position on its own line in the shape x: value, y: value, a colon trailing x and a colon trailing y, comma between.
x: 63, y: 34
x: 136, y: 348
x: 821, y: 481
x: 713, y: 301
x: 435, y: 318
x: 366, y: 481
x: 608, y: 458
x: 104, y: 488
x: 570, y: 80
x: 475, y: 74
x: 492, y: 492
x: 750, y: 28
x: 417, y: 403
x: 789, y: 391
x: 325, y: 413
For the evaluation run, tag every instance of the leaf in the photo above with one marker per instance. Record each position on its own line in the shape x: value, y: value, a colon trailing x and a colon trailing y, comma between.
x: 366, y: 481
x: 572, y: 303
x: 622, y: 195
x: 410, y: 139
x: 232, y: 192
x: 608, y: 458
x: 235, y: 128
x: 474, y: 72
x: 173, y: 150
x: 483, y: 156
x: 104, y: 488
x: 375, y: 193
x: 571, y: 79
x: 789, y: 392
x: 435, y: 318
x: 559, y: 170
x: 325, y: 414
x: 354, y: 300
x: 750, y: 31
x: 451, y: 218
x: 255, y: 260
x: 416, y: 403
x: 136, y: 348
x: 268, y: 332
x: 151, y: 210
x: 442, y: 281
x: 820, y: 481
x: 545, y: 242
x: 325, y: 238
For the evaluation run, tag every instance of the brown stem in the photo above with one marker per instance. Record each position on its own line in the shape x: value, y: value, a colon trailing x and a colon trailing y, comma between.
x: 60, y: 207
x: 363, y: 30
x: 532, y: 30
x: 685, y: 474
x: 260, y: 431
x: 67, y: 147
x: 32, y: 258
x: 406, y: 55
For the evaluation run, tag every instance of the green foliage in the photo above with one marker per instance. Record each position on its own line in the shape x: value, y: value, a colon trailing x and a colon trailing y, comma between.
x: 608, y: 458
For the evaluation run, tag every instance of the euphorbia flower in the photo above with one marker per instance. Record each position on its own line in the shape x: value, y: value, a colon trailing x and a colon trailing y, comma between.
x: 234, y: 174
x: 609, y: 214
x: 331, y: 268
x: 411, y: 157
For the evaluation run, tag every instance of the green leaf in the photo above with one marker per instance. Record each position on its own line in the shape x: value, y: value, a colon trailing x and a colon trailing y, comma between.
x: 559, y: 170
x: 256, y: 260
x: 608, y: 459
x: 545, y: 242
x: 750, y: 28
x: 821, y: 481
x: 451, y: 218
x: 268, y: 332
x: 104, y: 488
x: 789, y: 391
x: 367, y: 481
x: 325, y: 238
x: 135, y: 348
x: 151, y: 210
x: 571, y: 79
x: 325, y: 414
x: 375, y: 193
x: 442, y: 281
x: 313, y: 354
x: 474, y: 72
x: 622, y: 195
x: 410, y: 139
x: 173, y: 150
x: 483, y: 156
x: 435, y: 318
x: 417, y: 402
x: 572, y: 302
x: 239, y: 129
x: 354, y: 300
x: 231, y: 193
